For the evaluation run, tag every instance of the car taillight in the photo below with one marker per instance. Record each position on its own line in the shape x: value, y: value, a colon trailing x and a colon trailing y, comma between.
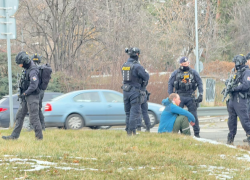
x: 48, y: 107
x: 3, y: 109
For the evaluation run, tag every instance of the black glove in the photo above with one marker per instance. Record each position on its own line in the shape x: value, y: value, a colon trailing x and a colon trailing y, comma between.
x: 21, y: 96
x: 199, y: 99
x: 233, y: 89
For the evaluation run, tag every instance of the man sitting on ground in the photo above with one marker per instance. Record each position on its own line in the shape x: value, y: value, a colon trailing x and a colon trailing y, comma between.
x: 174, y: 118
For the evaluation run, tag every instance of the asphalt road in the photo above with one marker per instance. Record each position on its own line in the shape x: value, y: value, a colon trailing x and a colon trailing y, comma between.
x: 216, y: 131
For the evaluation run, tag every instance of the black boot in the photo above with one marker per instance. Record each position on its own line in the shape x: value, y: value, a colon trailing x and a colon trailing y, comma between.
x: 197, y: 135
x: 129, y: 133
x: 9, y: 137
x: 230, y: 139
x: 248, y: 140
x: 147, y: 129
x: 134, y: 132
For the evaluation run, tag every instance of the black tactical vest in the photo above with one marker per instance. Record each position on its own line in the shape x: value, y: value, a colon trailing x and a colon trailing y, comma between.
x: 185, y: 81
x: 127, y: 70
x: 25, y: 81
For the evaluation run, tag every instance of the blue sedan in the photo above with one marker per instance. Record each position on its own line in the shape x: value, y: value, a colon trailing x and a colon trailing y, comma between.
x: 91, y: 108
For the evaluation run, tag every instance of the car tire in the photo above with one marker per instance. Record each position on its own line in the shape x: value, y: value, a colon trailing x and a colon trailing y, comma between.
x: 74, y: 121
x: 100, y: 127
x: 152, y: 119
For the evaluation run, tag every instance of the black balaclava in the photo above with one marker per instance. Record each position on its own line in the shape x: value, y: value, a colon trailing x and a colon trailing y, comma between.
x: 184, y: 68
x: 26, y: 66
x: 135, y: 57
x: 239, y: 67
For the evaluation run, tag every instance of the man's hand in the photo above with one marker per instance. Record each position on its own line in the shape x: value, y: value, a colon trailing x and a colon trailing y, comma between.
x: 199, y: 99
x: 22, y: 95
x: 192, y: 123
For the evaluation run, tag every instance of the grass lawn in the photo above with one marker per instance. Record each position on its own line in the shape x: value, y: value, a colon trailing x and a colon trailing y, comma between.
x: 110, y: 154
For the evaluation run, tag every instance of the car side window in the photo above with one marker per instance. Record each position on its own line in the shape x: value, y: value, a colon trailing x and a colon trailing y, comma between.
x: 112, y: 97
x: 87, y: 97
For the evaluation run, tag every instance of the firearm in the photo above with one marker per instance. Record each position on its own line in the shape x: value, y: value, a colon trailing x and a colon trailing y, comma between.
x: 19, y: 87
x: 231, y: 83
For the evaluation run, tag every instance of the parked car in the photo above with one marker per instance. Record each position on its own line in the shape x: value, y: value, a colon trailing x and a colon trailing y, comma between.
x: 5, y: 109
x: 91, y: 108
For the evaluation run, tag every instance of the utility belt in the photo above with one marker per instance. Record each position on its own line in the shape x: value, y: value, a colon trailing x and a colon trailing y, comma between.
x: 243, y: 95
x: 186, y: 94
x: 142, y: 94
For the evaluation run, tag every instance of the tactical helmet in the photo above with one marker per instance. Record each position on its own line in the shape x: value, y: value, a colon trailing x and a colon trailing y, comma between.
x: 132, y: 51
x: 248, y: 56
x: 36, y: 58
x: 22, y: 57
x: 239, y: 60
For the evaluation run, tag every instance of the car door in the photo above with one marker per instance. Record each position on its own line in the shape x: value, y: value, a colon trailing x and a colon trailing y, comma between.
x: 91, y: 108
x: 114, y: 107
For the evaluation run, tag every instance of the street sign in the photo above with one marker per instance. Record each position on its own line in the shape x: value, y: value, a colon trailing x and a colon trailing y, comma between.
x: 8, y: 31
x: 12, y: 28
x: 11, y: 5
x: 200, y: 67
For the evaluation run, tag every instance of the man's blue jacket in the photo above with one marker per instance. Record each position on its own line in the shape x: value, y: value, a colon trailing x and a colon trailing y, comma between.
x: 170, y: 114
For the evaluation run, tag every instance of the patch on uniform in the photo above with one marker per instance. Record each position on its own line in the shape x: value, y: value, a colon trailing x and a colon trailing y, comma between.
x: 34, y: 78
x: 248, y: 78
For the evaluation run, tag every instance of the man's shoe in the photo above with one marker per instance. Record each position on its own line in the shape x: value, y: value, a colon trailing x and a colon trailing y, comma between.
x: 245, y: 140
x: 248, y: 139
x: 230, y: 139
x: 9, y: 137
x: 197, y: 135
x: 129, y: 133
x: 134, y: 132
x: 147, y: 129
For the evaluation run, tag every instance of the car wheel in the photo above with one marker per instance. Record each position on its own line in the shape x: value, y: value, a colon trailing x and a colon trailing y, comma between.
x: 152, y: 119
x: 74, y: 121
x: 100, y: 127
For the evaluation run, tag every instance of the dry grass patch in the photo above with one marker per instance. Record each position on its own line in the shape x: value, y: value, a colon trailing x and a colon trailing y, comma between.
x: 111, y: 154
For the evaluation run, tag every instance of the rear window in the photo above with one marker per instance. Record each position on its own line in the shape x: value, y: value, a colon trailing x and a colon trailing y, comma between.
x: 5, y: 101
x: 49, y: 97
x: 2, y: 100
x: 60, y: 97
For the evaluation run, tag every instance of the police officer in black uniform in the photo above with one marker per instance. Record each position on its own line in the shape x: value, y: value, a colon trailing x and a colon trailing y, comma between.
x: 144, y: 109
x: 37, y: 60
x: 133, y: 77
x: 237, y: 105
x: 29, y: 98
x: 185, y: 81
x: 248, y: 96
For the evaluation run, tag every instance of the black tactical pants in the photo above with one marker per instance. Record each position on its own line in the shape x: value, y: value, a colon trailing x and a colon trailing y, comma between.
x: 41, y: 117
x: 132, y: 108
x: 189, y: 101
x: 144, y: 112
x: 238, y: 107
x: 31, y: 105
